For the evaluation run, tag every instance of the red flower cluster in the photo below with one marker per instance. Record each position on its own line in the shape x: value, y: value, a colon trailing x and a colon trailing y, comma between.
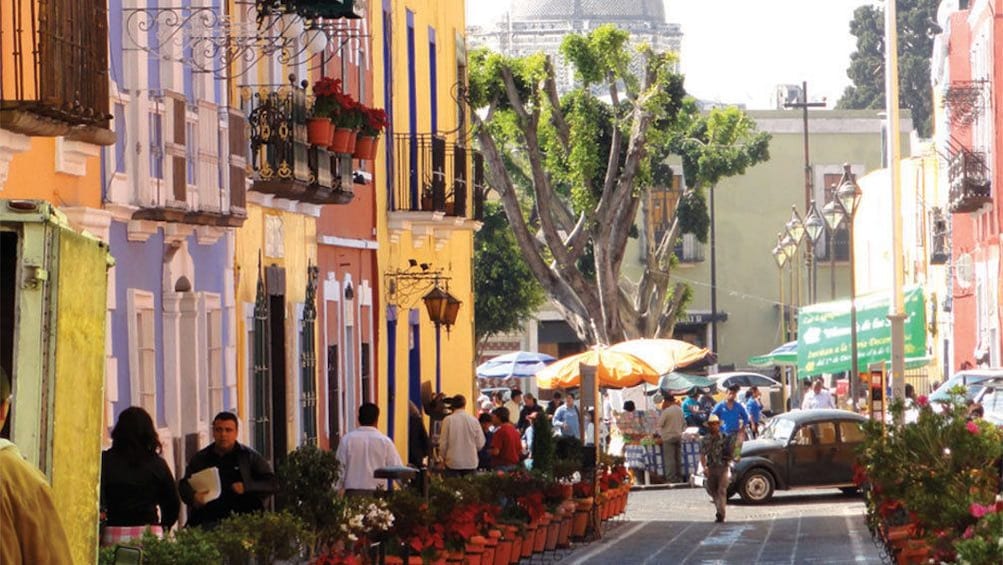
x: 376, y: 120
x: 583, y: 489
x: 532, y: 503
x: 327, y: 86
x: 427, y: 537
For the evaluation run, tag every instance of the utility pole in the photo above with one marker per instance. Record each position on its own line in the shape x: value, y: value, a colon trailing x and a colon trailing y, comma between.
x: 804, y: 104
x: 897, y: 313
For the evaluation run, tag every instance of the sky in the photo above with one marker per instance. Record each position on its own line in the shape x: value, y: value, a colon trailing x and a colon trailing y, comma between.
x: 760, y: 44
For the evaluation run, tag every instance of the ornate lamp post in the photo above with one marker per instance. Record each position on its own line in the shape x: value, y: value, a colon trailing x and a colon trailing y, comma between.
x: 844, y: 206
x: 442, y: 309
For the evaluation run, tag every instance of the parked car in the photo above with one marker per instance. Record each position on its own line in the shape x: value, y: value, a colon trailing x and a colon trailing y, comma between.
x: 797, y: 450
x: 991, y: 399
x: 971, y: 379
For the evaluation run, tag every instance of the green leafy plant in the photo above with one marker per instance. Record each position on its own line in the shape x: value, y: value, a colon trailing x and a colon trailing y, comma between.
x: 308, y: 478
x: 188, y: 546
x: 544, y: 446
x: 264, y: 536
x: 982, y: 542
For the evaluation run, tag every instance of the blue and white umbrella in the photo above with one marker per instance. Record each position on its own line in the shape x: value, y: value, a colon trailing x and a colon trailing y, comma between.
x: 516, y: 364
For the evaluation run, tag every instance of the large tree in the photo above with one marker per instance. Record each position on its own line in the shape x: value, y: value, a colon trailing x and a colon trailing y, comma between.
x: 507, y: 293
x: 571, y: 172
x: 916, y: 28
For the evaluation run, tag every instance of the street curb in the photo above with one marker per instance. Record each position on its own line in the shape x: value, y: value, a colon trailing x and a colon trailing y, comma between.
x: 663, y: 486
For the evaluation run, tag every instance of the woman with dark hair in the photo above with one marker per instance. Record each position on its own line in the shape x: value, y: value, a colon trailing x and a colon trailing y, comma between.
x: 135, y: 481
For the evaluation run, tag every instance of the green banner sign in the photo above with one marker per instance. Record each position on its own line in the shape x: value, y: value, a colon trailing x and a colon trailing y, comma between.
x: 824, y: 333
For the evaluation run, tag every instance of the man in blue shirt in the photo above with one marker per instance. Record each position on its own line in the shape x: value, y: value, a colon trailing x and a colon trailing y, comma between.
x: 566, y: 418
x: 733, y: 416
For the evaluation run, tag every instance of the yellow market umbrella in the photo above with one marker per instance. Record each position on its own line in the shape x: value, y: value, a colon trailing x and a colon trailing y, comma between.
x: 614, y: 369
x: 665, y: 355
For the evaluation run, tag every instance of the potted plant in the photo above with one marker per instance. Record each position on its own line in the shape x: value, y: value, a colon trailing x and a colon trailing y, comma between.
x: 368, y: 139
x: 319, y: 127
x: 347, y: 118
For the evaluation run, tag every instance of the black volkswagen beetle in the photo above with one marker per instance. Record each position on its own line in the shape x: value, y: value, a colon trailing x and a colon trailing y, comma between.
x: 800, y: 449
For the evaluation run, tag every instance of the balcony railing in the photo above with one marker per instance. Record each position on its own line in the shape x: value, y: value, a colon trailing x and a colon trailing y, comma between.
x: 55, y: 70
x: 432, y: 175
x: 970, y: 184
x: 283, y: 161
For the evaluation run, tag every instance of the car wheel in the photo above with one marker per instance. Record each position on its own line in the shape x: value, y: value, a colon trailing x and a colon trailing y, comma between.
x: 756, y: 486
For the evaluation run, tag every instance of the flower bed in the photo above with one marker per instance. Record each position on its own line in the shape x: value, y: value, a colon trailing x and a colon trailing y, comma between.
x: 931, y: 486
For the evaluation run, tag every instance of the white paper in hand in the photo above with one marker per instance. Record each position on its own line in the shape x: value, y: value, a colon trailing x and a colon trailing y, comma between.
x: 206, y: 480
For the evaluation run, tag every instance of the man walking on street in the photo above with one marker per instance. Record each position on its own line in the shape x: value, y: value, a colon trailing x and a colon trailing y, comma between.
x: 361, y: 452
x: 754, y: 406
x: 671, y: 425
x: 460, y: 440
x: 715, y: 456
x: 246, y: 479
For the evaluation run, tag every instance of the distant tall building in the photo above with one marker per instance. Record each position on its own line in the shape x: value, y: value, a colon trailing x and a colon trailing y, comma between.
x: 540, y: 25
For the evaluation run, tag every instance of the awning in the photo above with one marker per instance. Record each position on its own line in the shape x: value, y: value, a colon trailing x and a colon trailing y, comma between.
x: 786, y: 354
x: 824, y: 333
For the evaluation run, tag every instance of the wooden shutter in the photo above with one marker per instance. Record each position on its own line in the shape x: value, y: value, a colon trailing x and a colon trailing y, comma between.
x: 179, y: 171
x: 459, y: 180
x: 238, y: 171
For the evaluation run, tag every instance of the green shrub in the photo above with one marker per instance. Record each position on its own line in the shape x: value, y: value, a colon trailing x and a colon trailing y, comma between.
x: 544, y: 446
x: 265, y: 536
x: 308, y: 478
x: 188, y: 546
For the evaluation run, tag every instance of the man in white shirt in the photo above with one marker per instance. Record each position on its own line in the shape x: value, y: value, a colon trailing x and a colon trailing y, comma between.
x: 460, y: 439
x: 817, y: 397
x: 362, y: 451
x: 514, y: 405
x: 671, y: 424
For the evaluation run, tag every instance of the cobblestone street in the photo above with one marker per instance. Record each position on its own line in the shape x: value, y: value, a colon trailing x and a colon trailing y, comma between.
x: 677, y: 526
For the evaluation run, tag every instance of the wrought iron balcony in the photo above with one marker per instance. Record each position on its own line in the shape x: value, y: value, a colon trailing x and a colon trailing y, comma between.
x: 55, y: 76
x: 966, y: 101
x: 283, y: 161
x: 432, y: 175
x: 312, y: 9
x: 970, y: 184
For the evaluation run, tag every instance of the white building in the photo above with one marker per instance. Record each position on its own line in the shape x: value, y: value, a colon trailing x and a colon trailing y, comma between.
x: 540, y: 25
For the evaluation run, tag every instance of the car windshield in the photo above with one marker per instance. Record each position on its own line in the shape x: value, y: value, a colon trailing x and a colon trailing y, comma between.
x: 971, y: 382
x: 779, y: 429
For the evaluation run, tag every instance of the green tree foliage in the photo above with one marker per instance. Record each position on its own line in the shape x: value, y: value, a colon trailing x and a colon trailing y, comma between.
x: 571, y: 171
x: 507, y: 293
x: 916, y: 28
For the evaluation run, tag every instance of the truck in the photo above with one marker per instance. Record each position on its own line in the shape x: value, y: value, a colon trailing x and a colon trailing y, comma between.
x: 53, y: 311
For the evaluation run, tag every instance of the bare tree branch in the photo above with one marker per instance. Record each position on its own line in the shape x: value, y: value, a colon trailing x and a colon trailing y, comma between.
x: 556, y: 114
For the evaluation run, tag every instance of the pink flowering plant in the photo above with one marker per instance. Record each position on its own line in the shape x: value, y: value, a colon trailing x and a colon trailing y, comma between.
x: 982, y: 542
x: 929, y: 474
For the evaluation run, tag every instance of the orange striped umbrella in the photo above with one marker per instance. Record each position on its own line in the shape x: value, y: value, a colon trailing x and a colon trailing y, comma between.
x: 614, y: 369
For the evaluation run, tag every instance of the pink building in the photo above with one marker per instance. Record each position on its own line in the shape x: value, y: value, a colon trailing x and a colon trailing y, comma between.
x: 969, y: 76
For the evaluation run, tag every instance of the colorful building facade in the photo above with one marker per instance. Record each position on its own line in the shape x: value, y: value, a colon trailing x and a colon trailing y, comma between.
x: 427, y: 192
x: 968, y: 77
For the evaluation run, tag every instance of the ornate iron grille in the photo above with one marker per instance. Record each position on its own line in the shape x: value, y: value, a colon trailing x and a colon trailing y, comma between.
x: 308, y: 360
x: 940, y: 243
x: 965, y: 101
x: 283, y: 161
x: 261, y: 418
x: 58, y: 75
x: 480, y: 189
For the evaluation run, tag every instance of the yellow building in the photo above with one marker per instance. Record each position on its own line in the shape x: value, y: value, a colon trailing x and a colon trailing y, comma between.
x: 926, y: 240
x: 54, y: 118
x: 427, y: 184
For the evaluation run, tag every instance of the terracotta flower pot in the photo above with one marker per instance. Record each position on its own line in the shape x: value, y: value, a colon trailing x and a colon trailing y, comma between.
x: 564, y: 538
x: 581, y: 524
x: 553, y: 533
x: 540, y: 541
x: 318, y: 131
x: 365, y: 147
x: 529, y: 541
x: 344, y: 141
x: 503, y: 552
x: 914, y: 552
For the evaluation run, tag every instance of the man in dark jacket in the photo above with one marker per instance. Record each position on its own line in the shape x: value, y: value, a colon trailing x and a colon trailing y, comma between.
x: 246, y: 479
